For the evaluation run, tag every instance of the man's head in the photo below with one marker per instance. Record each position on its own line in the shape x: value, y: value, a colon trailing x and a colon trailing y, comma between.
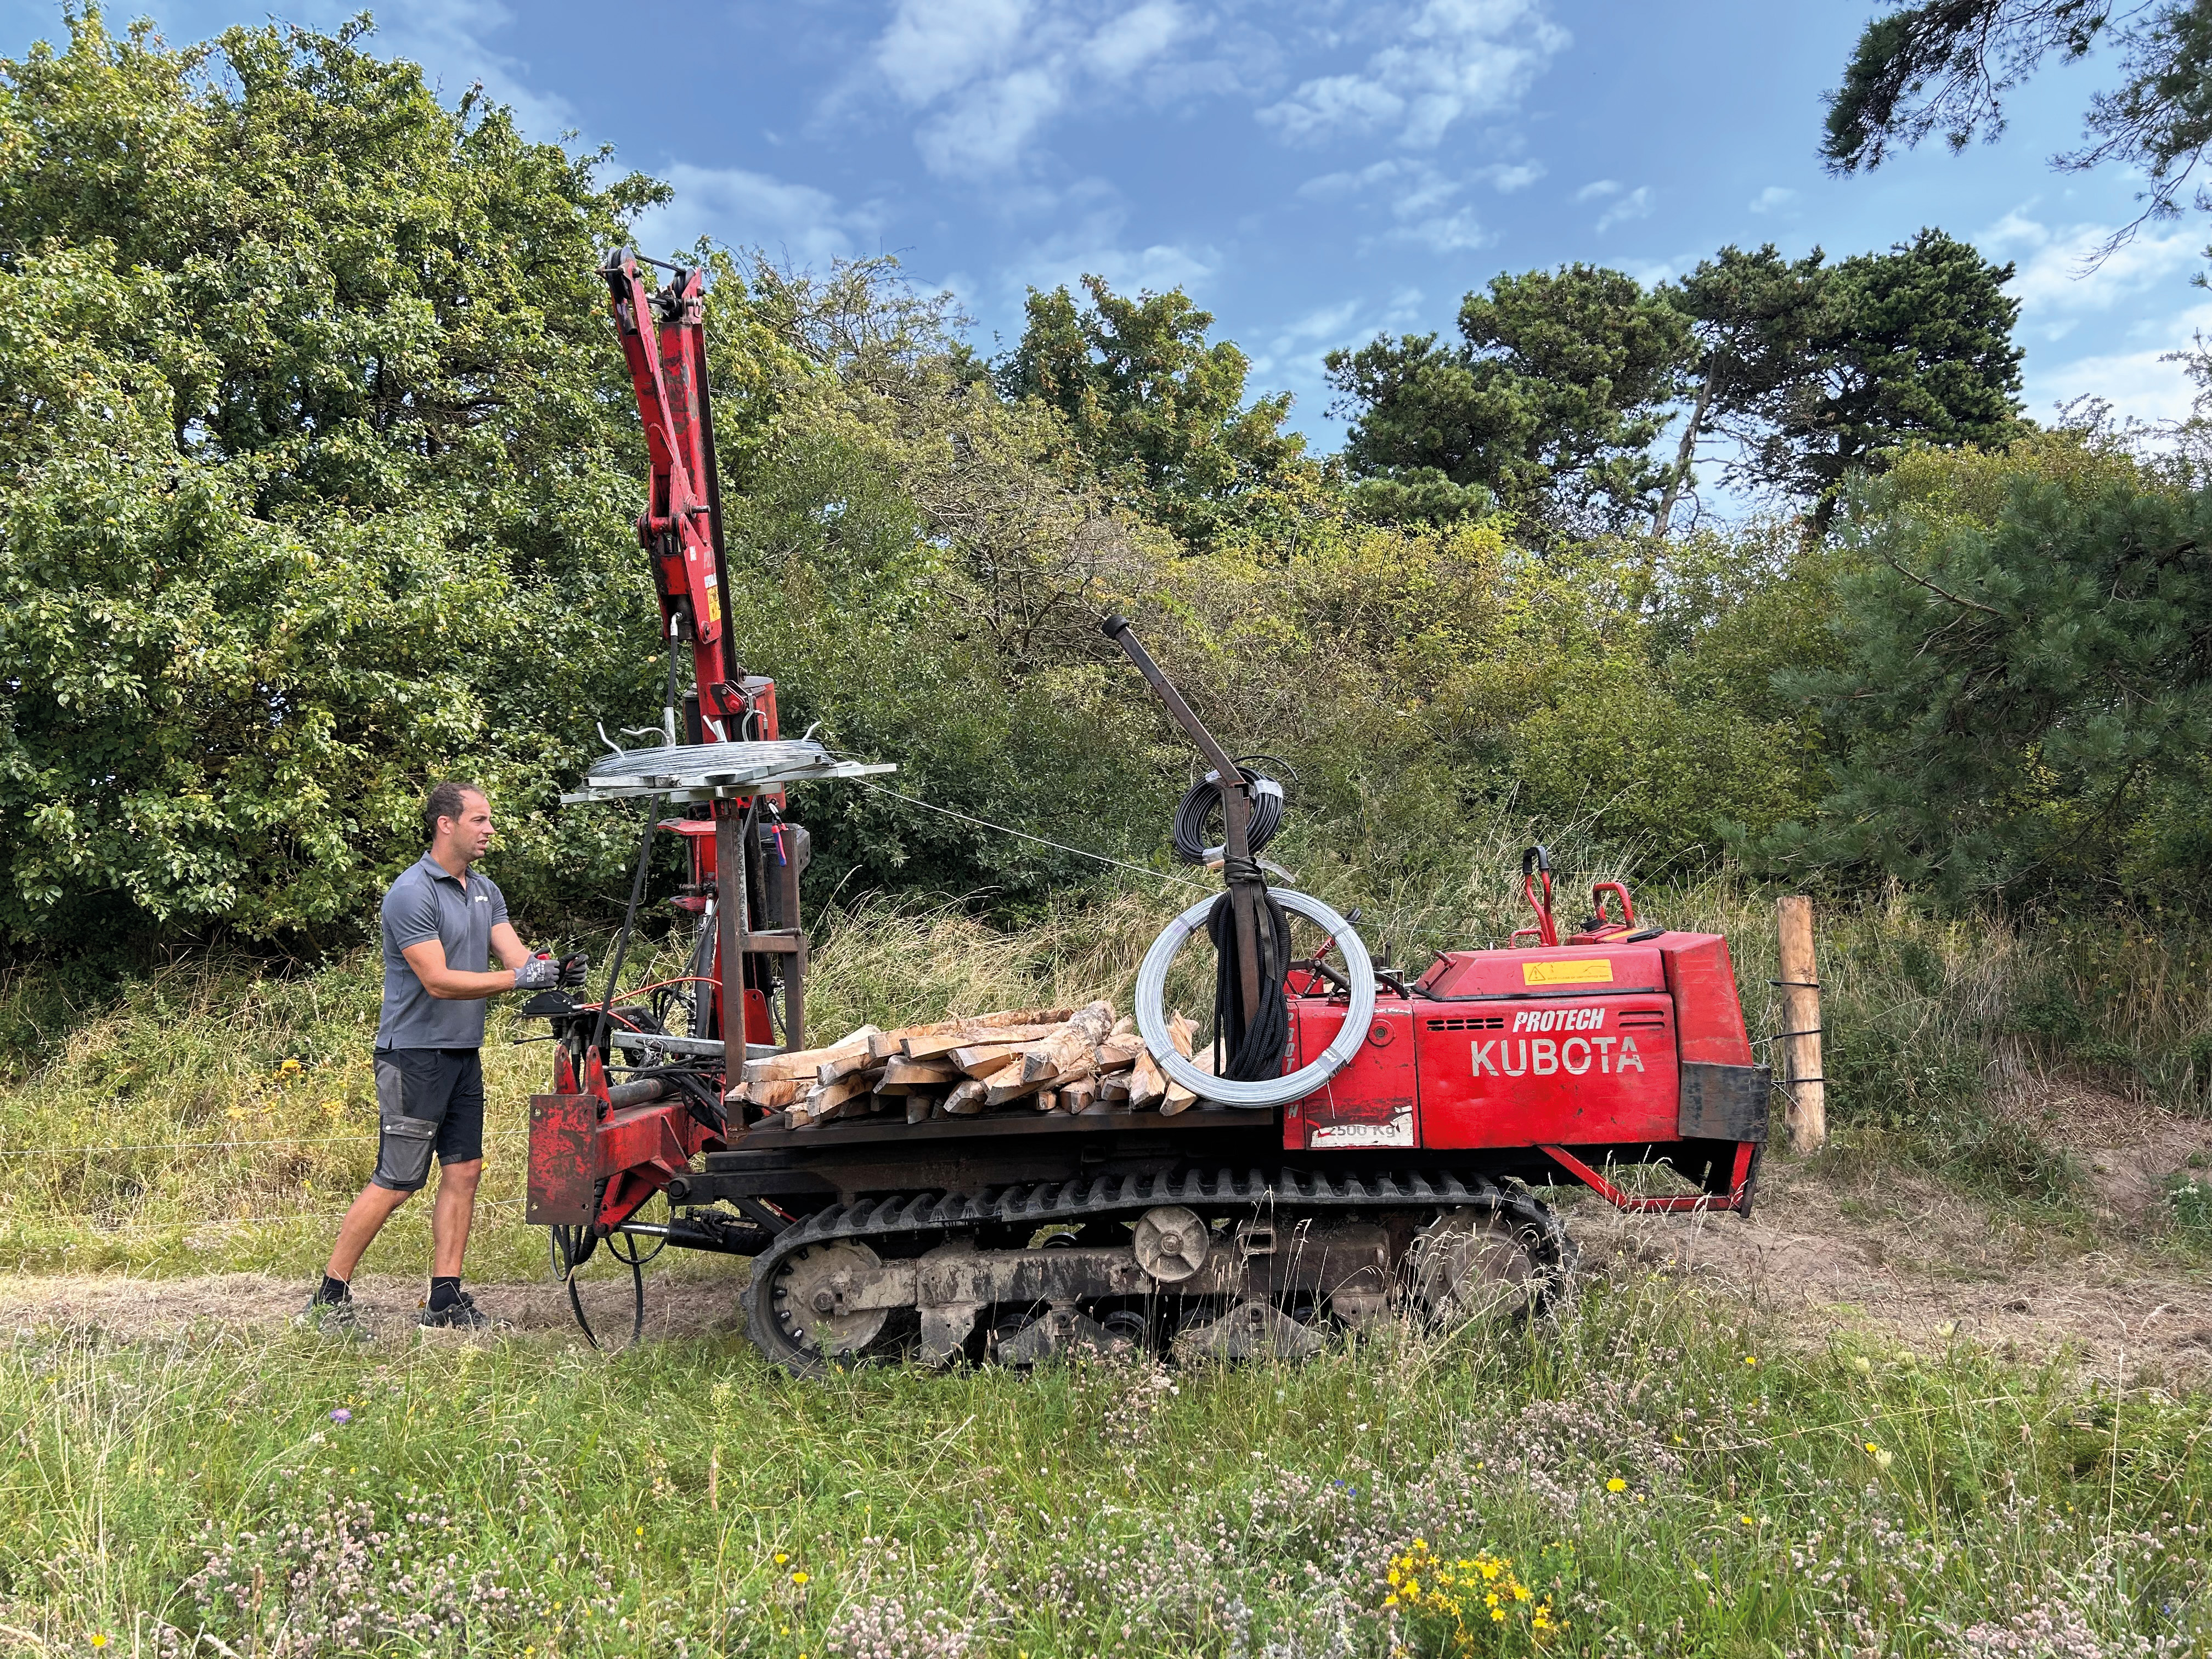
x: 457, y: 820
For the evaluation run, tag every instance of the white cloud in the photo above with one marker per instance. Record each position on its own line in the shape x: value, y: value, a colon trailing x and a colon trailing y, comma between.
x: 1422, y: 198
x: 1094, y: 247
x: 987, y: 76
x: 1325, y: 326
x: 1637, y: 204
x: 1598, y: 189
x: 935, y: 46
x: 2136, y: 383
x: 1770, y: 199
x: 746, y: 209
x: 1505, y: 179
x: 2058, y: 277
x: 1444, y: 60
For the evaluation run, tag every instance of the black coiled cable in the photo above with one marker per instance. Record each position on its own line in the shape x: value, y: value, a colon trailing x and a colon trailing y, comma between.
x: 1203, y: 799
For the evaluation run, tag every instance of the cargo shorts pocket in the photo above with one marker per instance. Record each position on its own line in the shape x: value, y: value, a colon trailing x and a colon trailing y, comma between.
x: 403, y: 1143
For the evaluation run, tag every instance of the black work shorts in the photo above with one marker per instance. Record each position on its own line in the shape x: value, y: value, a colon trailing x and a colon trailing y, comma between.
x: 426, y: 1100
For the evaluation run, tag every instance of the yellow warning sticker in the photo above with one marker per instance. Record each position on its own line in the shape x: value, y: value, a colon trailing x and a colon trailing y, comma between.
x: 1599, y: 972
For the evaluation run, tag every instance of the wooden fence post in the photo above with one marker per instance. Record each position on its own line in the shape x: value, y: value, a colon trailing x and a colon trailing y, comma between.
x: 1803, y: 1086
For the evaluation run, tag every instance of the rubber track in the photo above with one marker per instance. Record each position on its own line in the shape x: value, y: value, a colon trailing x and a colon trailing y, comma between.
x: 1048, y: 1203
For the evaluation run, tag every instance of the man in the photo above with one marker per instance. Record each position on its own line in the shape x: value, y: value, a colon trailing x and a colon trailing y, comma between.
x: 442, y: 920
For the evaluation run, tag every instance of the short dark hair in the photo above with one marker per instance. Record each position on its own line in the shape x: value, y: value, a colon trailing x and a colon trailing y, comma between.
x: 444, y: 801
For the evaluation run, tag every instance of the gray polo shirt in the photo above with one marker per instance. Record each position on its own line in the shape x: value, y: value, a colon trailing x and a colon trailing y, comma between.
x: 426, y: 902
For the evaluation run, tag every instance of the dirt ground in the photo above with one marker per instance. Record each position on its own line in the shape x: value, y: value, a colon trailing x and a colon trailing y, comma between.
x: 1898, y: 1258
x: 1917, y: 1263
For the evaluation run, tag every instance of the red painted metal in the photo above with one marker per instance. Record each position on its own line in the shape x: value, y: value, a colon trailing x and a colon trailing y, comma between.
x: 663, y: 337
x: 1574, y: 1045
x: 1737, y: 1197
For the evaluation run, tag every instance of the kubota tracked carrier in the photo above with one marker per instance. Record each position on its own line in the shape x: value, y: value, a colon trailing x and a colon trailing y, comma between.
x: 1372, y: 1145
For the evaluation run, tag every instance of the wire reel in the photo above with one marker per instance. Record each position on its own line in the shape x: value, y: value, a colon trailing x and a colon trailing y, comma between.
x: 1268, y: 1093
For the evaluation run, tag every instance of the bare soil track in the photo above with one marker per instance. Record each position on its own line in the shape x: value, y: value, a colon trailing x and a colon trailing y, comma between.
x: 1897, y: 1258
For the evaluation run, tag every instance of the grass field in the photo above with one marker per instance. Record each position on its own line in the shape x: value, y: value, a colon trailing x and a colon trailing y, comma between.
x: 1660, y: 1472
x: 1656, y: 1475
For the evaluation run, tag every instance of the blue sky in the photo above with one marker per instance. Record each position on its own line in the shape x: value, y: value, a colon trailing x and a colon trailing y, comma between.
x: 1311, y: 171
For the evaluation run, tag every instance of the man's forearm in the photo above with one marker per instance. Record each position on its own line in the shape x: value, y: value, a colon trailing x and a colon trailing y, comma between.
x: 456, y: 986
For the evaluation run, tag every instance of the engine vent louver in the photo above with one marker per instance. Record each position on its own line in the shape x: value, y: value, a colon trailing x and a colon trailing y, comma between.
x: 1491, y: 1022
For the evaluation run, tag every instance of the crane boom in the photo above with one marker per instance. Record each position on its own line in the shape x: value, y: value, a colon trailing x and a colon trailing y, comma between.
x: 664, y: 337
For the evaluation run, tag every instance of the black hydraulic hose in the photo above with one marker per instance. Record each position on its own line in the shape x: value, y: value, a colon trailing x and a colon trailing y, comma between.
x: 1253, y: 1052
x: 1203, y: 799
x: 629, y: 920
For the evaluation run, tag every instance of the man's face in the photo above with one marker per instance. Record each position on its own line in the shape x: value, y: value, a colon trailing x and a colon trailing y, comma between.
x: 469, y: 834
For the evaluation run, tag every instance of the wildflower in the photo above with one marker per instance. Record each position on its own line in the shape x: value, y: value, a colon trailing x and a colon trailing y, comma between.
x: 799, y: 1579
x: 1747, y: 1520
x: 1616, y: 1485
x: 340, y: 1414
x: 100, y: 1639
x: 781, y: 1558
x: 1751, y: 1359
x: 641, y: 1532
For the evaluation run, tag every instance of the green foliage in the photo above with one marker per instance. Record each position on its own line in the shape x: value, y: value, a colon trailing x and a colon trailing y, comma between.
x: 2023, y: 704
x: 1550, y: 402
x: 311, y: 487
x: 1947, y: 66
x: 1155, y: 410
x: 1918, y: 349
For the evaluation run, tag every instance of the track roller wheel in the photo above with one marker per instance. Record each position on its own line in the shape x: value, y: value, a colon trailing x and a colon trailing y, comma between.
x: 1470, y: 1265
x: 798, y: 1317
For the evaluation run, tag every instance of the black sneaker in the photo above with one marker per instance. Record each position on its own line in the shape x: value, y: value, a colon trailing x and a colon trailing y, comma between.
x: 340, y: 1319
x: 461, y: 1313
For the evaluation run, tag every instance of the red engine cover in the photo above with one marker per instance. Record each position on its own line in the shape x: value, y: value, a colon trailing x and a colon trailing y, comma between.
x: 1576, y: 1045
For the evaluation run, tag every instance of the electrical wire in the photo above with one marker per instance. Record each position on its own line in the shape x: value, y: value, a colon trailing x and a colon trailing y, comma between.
x: 1006, y: 830
x: 1202, y: 800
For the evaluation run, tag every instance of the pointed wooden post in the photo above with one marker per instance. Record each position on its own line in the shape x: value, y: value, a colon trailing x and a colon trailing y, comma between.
x: 1803, y: 1087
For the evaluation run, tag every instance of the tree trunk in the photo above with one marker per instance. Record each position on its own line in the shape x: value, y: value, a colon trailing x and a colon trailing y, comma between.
x: 1681, y: 474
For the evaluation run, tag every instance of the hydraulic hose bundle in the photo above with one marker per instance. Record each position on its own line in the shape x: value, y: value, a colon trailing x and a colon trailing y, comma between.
x: 1249, y: 925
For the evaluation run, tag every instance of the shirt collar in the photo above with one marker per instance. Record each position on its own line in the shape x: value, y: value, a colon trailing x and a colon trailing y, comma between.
x: 437, y: 872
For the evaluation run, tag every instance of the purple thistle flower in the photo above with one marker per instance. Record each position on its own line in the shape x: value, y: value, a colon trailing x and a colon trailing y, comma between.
x: 341, y: 1415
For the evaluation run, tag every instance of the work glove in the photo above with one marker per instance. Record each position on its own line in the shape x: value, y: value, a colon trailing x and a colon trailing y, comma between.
x: 574, y: 970
x: 540, y: 973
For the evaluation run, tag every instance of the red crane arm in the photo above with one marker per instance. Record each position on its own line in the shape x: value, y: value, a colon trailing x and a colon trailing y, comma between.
x: 663, y: 336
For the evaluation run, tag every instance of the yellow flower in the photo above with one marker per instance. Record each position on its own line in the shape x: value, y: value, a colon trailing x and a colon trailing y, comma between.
x: 641, y: 1532
x: 1871, y: 1447
x: 799, y: 1579
x: 100, y: 1639
x: 1616, y: 1485
x: 781, y: 1558
x: 1751, y: 1359
x: 1389, y: 1600
x: 1497, y: 1615
x: 1747, y: 1520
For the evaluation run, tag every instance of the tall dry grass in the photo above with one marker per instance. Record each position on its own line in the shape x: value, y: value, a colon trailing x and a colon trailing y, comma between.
x: 215, y: 1112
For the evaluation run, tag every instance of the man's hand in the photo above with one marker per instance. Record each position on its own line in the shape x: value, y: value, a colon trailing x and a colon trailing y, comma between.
x: 540, y: 973
x: 574, y: 970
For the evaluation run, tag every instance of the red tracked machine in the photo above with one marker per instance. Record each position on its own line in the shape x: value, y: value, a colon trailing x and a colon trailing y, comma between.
x: 1373, y: 1148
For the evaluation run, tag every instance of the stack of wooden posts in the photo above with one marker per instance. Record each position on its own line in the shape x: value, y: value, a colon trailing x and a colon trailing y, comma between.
x: 1024, y: 1060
